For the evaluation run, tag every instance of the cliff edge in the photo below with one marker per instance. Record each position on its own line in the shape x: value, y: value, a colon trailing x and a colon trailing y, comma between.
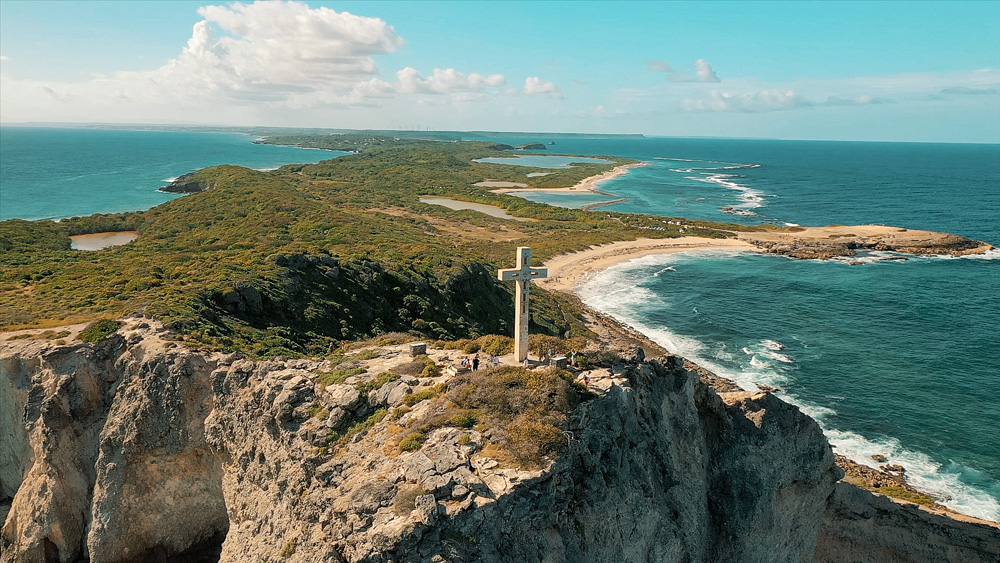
x: 137, y: 449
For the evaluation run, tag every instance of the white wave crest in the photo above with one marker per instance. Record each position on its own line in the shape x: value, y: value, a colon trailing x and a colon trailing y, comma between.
x: 614, y: 292
x: 942, y: 483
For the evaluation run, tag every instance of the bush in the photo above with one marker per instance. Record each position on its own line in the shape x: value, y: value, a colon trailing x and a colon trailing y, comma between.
x: 99, y: 331
x: 414, y: 398
x: 406, y: 500
x: 411, y: 442
x: 529, y: 439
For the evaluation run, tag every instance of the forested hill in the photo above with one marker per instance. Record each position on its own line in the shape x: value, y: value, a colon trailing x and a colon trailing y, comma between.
x: 286, y: 262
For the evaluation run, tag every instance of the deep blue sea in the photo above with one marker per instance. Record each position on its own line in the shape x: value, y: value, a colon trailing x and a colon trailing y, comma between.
x: 50, y: 173
x: 900, y: 358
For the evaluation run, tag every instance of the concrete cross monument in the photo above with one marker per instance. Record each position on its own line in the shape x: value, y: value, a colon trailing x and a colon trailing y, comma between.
x: 522, y: 274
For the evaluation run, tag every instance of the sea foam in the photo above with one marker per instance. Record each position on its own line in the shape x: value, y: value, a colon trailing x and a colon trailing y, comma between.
x: 614, y: 292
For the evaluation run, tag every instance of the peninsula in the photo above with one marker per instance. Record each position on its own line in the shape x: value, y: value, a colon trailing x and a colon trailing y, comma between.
x: 238, y: 384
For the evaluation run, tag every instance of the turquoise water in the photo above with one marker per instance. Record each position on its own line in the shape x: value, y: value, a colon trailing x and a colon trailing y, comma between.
x: 53, y: 173
x: 898, y: 358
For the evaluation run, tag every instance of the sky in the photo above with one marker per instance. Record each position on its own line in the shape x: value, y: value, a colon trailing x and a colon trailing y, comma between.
x: 869, y: 71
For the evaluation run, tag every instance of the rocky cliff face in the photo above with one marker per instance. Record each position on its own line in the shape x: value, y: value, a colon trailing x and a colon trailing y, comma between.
x: 136, y: 449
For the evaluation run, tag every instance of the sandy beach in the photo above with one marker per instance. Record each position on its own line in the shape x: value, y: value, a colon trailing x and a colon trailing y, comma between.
x: 587, y: 185
x: 568, y: 271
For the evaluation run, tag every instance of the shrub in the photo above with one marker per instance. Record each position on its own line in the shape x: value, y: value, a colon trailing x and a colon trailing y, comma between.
x: 414, y: 398
x: 99, y: 331
x: 529, y: 439
x: 411, y: 442
x: 288, y: 550
x: 342, y: 437
x: 398, y: 413
x: 406, y: 500
x: 463, y: 419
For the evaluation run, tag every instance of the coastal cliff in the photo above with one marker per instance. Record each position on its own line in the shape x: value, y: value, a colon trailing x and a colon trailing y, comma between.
x: 137, y: 449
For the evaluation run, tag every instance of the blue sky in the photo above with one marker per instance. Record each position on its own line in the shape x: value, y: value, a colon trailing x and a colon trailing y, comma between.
x: 899, y: 71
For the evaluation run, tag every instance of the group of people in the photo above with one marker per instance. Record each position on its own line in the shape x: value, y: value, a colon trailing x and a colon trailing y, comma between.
x: 473, y: 363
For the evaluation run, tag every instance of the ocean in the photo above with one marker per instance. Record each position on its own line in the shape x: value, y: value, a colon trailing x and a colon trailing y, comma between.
x: 898, y: 358
x: 51, y: 173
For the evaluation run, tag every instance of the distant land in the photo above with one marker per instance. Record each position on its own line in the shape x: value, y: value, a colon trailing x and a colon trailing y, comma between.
x: 400, y: 133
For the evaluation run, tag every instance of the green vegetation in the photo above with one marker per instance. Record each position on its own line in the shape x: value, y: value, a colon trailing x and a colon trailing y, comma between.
x: 288, y: 550
x: 336, y: 376
x: 902, y: 493
x: 342, y: 437
x: 414, y: 398
x: 99, y: 331
x: 376, y: 383
x: 294, y: 261
x: 526, y: 411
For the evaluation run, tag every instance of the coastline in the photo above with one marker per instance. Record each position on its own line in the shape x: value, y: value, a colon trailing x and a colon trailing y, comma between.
x: 587, y: 185
x: 569, y: 272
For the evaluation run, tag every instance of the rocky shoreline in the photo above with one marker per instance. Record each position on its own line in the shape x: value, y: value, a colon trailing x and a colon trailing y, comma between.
x: 139, y: 448
x: 187, y: 184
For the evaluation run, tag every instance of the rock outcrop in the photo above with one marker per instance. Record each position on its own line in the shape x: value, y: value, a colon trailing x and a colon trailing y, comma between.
x: 186, y: 184
x: 138, y: 449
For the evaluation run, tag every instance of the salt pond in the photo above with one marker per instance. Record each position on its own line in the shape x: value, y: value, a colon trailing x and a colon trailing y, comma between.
x: 490, y: 210
x: 541, y: 160
x: 100, y: 241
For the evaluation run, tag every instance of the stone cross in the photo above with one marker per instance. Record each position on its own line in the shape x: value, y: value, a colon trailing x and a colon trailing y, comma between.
x: 522, y: 274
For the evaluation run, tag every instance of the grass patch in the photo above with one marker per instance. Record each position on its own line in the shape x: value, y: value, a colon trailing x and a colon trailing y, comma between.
x: 342, y: 437
x: 414, y: 398
x: 337, y: 376
x: 318, y: 412
x: 900, y: 493
x: 525, y: 409
x: 377, y: 382
x: 99, y: 331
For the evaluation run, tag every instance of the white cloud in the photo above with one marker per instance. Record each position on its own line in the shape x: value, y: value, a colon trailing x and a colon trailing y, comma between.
x: 537, y: 87
x: 764, y: 100
x: 703, y: 71
x: 659, y: 66
x: 445, y: 81
x: 4, y: 58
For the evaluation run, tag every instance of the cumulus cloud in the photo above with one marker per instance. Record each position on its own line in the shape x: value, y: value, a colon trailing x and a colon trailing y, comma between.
x: 445, y: 81
x: 268, y: 49
x: 703, y: 71
x: 4, y: 58
x: 537, y: 87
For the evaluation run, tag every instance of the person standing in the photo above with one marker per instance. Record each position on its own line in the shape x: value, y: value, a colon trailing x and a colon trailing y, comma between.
x: 475, y: 363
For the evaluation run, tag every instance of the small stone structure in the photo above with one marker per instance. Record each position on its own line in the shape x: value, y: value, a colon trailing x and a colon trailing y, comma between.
x: 559, y: 361
x: 418, y: 349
